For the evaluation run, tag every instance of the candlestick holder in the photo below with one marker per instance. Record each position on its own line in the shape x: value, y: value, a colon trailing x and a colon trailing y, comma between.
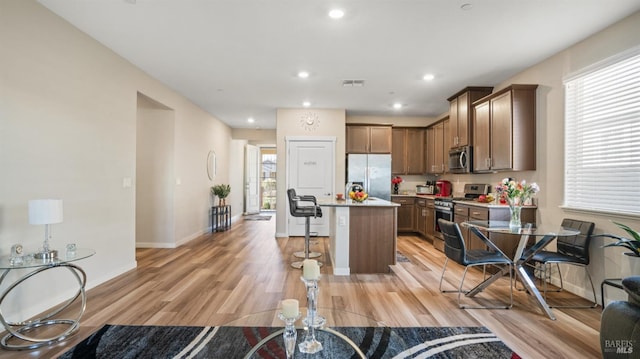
x: 289, y: 335
x: 313, y: 320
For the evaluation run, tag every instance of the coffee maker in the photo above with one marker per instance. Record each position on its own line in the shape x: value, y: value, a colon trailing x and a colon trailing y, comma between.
x: 443, y: 188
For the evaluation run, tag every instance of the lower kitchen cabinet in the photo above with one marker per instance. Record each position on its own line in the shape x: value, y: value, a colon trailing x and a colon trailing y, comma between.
x: 406, y: 213
x: 469, y: 212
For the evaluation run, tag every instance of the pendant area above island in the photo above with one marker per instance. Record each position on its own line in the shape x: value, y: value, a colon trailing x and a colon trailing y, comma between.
x: 362, y: 235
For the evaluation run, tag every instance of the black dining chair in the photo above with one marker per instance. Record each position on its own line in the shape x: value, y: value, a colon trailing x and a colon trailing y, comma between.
x: 455, y: 250
x: 572, y: 250
x: 307, y: 212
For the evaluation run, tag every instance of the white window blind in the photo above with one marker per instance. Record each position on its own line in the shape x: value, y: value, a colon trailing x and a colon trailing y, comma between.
x: 602, y: 138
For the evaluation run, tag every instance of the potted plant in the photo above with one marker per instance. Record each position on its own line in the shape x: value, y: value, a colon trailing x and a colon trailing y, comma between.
x: 222, y: 191
x: 632, y: 243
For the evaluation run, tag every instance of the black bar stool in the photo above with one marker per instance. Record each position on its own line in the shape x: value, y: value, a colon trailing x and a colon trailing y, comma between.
x: 307, y: 212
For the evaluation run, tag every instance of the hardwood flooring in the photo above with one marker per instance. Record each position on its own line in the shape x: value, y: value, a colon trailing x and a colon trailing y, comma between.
x: 221, y: 278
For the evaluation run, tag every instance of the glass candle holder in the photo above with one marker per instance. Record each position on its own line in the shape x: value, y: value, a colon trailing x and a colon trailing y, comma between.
x: 310, y: 344
x: 290, y: 334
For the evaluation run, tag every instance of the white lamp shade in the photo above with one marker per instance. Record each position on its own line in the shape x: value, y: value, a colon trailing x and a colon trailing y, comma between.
x: 45, y: 211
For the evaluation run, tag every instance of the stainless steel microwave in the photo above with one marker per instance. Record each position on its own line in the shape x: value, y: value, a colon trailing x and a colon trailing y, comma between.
x: 460, y: 160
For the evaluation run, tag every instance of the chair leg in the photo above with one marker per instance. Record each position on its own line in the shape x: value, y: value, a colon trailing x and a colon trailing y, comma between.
x: 486, y: 307
x: 307, y: 235
x: 593, y: 290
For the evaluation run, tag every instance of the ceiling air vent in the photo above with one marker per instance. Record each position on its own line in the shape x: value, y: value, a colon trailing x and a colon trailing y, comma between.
x: 352, y: 83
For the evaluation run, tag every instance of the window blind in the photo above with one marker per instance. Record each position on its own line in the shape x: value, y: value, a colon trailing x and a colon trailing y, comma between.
x: 602, y: 138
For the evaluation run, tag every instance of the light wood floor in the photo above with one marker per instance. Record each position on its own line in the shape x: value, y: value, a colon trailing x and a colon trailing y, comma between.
x: 214, y: 280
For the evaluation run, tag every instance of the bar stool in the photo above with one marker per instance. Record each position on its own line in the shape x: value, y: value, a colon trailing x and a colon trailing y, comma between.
x: 307, y: 212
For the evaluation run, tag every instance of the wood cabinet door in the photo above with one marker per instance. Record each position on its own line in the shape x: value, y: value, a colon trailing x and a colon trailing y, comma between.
x: 406, y: 213
x: 421, y: 219
x: 438, y: 148
x: 501, y: 132
x: 463, y: 120
x: 380, y: 139
x: 453, y: 126
x: 481, y: 137
x: 446, y: 127
x: 357, y: 139
x: 415, y: 151
x: 430, y: 150
x: 430, y: 219
x: 397, y: 151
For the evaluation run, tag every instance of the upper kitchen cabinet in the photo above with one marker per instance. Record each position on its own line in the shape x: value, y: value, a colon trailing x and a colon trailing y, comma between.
x: 438, y: 147
x: 504, y: 130
x: 460, y: 115
x: 368, y: 139
x: 408, y: 150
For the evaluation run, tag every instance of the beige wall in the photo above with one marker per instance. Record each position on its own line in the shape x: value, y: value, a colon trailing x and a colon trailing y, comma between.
x: 256, y: 137
x: 155, y: 163
x: 68, y: 117
x: 549, y: 75
x: 288, y: 123
x: 407, y: 121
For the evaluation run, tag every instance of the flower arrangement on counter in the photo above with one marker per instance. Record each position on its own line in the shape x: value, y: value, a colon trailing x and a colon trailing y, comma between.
x: 516, y: 193
x: 396, y: 183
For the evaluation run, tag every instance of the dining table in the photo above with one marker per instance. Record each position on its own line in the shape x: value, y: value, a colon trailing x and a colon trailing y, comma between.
x: 543, y: 234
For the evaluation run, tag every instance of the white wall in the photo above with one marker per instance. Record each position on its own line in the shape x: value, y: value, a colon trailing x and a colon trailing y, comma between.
x: 68, y: 110
x: 288, y: 123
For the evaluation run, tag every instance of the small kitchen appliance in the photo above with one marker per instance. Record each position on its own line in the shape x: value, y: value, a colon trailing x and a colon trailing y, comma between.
x: 425, y: 189
x: 443, y: 188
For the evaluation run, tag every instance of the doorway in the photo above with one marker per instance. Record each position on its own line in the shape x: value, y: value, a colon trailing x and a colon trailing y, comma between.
x: 268, y: 162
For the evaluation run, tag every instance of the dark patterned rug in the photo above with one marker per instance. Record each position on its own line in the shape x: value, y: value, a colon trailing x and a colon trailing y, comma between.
x: 117, y: 341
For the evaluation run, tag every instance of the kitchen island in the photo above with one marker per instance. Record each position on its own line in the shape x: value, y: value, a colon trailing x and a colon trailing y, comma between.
x: 362, y: 235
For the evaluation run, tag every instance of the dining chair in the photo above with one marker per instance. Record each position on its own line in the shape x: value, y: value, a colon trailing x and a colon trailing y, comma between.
x: 573, y: 250
x: 455, y: 250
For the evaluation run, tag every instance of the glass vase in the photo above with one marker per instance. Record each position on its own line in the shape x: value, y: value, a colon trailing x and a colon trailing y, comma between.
x: 514, y: 219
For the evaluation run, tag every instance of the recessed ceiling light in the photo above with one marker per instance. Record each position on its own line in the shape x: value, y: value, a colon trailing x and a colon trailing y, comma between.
x: 336, y: 14
x: 303, y: 74
x: 428, y: 77
x: 397, y: 105
x: 251, y: 120
x: 466, y: 6
x: 306, y: 104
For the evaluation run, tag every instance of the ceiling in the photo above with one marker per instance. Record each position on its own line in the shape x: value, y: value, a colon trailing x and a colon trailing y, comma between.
x: 239, y: 59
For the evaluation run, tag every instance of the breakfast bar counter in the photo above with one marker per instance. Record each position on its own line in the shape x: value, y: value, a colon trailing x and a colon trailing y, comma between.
x: 362, y: 235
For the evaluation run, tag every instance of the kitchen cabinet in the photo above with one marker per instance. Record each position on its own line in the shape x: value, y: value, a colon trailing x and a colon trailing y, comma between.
x: 437, y: 157
x: 504, y: 130
x: 430, y: 230
x: 460, y: 115
x: 408, y: 151
x: 473, y: 211
x: 406, y: 213
x: 421, y: 216
x: 368, y: 139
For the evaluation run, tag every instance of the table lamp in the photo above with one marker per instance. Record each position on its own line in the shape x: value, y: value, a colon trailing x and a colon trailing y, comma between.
x: 47, y: 212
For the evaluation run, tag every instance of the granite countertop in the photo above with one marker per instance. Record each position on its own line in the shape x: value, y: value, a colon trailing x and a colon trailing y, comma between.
x: 465, y: 202
x: 369, y: 202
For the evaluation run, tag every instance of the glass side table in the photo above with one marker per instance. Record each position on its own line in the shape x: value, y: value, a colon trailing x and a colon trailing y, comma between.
x: 32, y: 334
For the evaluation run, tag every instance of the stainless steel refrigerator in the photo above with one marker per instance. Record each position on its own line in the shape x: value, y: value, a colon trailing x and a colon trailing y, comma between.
x: 373, y: 172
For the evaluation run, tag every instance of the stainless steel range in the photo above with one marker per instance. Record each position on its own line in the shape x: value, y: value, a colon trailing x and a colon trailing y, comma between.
x: 444, y: 208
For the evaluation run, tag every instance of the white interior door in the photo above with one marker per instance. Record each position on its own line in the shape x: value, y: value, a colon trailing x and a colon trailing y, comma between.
x: 252, y: 180
x: 310, y: 166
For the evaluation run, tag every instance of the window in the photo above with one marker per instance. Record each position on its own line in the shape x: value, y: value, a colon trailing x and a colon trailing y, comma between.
x: 602, y: 137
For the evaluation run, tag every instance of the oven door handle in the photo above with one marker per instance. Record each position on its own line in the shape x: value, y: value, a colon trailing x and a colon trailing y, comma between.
x: 443, y: 209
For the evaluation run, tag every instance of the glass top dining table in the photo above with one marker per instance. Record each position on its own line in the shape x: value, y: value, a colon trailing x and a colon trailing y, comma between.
x: 544, y: 235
